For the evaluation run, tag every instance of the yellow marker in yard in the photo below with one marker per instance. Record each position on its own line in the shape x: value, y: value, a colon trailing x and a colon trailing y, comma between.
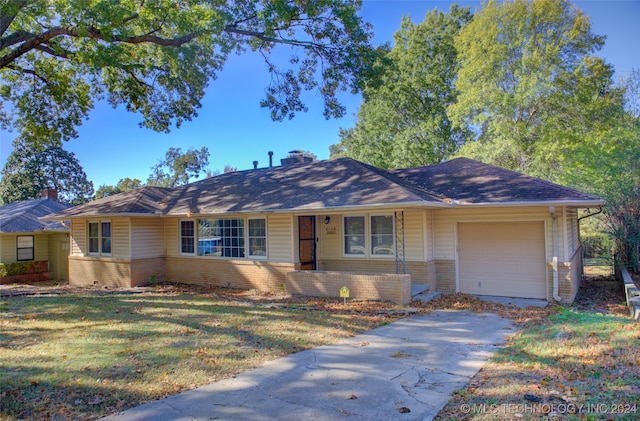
x: 344, y: 293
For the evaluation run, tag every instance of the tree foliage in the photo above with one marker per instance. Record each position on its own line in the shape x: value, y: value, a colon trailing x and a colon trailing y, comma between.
x: 124, y: 185
x: 615, y: 164
x: 30, y: 169
x: 156, y: 57
x: 177, y: 168
x: 403, y: 119
x: 527, y: 78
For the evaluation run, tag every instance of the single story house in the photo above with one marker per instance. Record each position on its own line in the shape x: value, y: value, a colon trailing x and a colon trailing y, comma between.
x: 459, y: 226
x: 24, y: 238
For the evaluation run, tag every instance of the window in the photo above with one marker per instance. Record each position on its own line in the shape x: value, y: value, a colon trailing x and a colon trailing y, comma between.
x: 106, y: 237
x: 375, y: 232
x: 25, y: 248
x: 187, y: 237
x: 221, y: 237
x: 94, y: 237
x: 382, y: 237
x: 257, y: 237
x: 354, y: 236
x: 100, y: 237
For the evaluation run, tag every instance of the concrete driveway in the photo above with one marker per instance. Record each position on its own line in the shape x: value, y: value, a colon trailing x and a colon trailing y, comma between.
x: 406, y: 370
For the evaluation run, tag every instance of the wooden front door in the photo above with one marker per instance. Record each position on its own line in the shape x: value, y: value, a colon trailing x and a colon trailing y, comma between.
x: 307, y: 242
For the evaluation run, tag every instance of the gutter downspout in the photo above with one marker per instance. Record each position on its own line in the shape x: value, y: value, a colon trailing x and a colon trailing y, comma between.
x: 554, y: 229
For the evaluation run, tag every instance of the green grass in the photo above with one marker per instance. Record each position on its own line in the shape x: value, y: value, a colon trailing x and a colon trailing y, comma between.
x: 82, y: 357
x: 579, y: 360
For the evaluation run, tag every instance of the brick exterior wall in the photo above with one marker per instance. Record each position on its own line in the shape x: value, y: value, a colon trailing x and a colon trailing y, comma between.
x: 362, y: 286
x: 569, y: 276
x: 88, y: 271
x: 445, y: 276
x: 241, y: 273
x: 147, y: 271
x: 421, y: 272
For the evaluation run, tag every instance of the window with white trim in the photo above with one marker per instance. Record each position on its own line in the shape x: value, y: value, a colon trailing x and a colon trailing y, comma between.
x: 187, y: 237
x: 372, y: 235
x: 226, y: 236
x: 354, y: 235
x: 25, y: 247
x: 258, y: 237
x: 99, y: 236
x: 382, y: 235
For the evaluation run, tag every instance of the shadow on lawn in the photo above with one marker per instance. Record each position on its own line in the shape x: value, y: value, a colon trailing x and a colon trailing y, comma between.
x: 86, y: 356
x: 581, y: 363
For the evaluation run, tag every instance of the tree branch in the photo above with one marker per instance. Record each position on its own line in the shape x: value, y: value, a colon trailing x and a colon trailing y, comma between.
x: 29, y: 72
x: 5, y: 20
x: 33, y: 41
x: 259, y: 35
x: 47, y: 49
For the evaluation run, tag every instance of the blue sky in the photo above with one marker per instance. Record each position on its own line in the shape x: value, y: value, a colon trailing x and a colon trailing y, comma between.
x: 237, y: 131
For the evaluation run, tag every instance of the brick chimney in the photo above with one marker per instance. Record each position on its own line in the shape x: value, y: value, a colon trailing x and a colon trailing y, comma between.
x: 49, y: 193
x: 296, y: 157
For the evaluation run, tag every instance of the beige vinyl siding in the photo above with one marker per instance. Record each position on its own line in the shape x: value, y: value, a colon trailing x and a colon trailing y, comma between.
x: 79, y: 237
x: 280, y: 238
x: 147, y: 238
x: 331, y: 238
x: 10, y: 247
x: 572, y: 231
x: 414, y: 236
x: 172, y: 236
x: 445, y: 225
x: 41, y: 251
x: 120, y: 237
x: 120, y: 240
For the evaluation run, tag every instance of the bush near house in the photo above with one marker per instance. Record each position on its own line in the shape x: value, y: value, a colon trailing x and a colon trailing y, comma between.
x: 24, y: 271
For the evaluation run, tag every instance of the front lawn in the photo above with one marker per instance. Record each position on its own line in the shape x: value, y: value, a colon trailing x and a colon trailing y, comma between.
x: 82, y: 356
x: 566, y: 363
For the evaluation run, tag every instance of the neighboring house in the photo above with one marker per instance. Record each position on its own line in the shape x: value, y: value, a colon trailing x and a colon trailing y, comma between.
x: 459, y: 226
x: 26, y: 238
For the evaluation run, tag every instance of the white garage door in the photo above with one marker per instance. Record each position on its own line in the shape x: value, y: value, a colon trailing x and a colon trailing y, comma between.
x: 503, y: 259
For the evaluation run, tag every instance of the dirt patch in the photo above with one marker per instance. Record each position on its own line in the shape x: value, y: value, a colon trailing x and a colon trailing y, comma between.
x: 603, y: 294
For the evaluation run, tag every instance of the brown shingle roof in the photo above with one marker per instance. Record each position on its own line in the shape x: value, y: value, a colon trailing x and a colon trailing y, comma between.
x: 473, y: 182
x: 334, y: 184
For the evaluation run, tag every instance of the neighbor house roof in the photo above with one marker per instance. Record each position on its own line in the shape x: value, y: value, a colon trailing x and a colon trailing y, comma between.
x: 336, y: 184
x: 24, y: 216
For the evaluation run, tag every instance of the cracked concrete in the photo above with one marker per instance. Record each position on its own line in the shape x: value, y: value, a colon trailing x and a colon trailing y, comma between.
x: 406, y: 370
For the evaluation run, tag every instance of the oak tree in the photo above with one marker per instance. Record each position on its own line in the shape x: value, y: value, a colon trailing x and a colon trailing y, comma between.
x: 403, y: 119
x: 31, y: 168
x: 156, y: 57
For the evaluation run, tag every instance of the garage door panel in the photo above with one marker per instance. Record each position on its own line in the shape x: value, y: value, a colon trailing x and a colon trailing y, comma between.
x: 504, y: 259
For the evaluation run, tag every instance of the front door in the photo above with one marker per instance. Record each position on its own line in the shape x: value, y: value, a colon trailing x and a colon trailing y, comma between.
x: 307, y: 242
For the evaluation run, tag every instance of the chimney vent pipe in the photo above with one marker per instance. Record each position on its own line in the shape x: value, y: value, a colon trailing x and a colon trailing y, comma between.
x: 255, y: 165
x: 270, y: 159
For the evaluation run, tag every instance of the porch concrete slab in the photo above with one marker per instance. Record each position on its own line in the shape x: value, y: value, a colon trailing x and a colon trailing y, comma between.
x: 427, y: 296
x: 418, y: 289
x: 406, y: 370
x: 517, y: 302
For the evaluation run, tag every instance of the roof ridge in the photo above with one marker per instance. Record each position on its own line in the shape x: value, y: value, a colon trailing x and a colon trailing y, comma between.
x: 17, y: 215
x: 526, y: 176
x: 402, y: 182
